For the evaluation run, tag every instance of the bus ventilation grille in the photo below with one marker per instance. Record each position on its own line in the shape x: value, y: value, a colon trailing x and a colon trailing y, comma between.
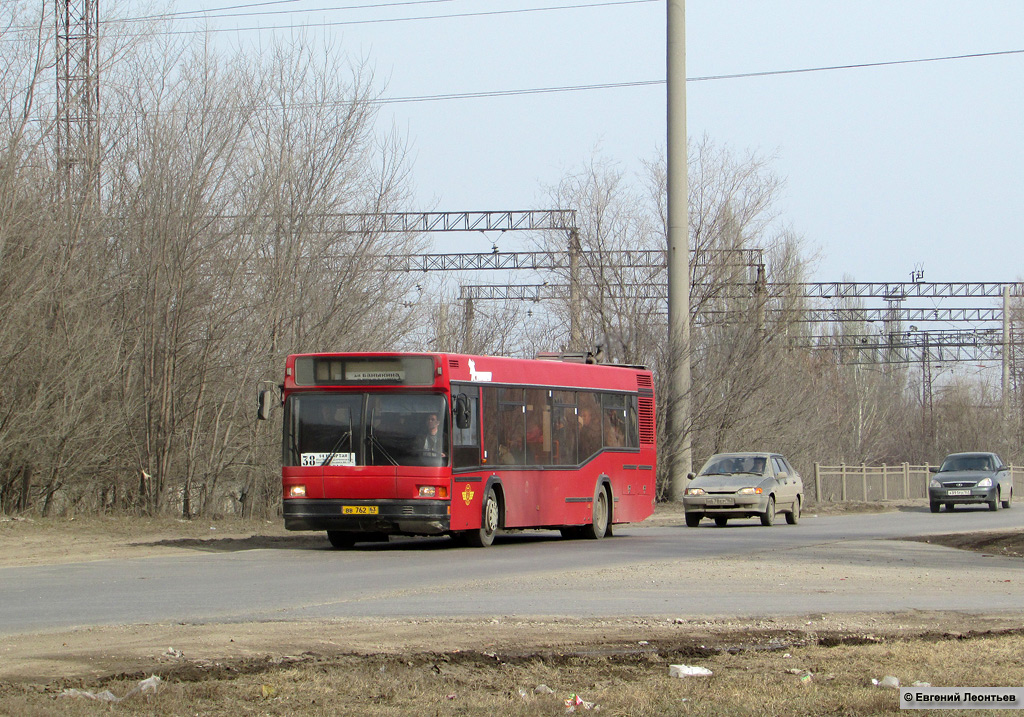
x: 646, y: 420
x: 453, y: 363
x: 644, y: 381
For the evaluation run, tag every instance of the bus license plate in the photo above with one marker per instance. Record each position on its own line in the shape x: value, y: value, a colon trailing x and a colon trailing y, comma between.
x: 958, y: 492
x: 359, y: 510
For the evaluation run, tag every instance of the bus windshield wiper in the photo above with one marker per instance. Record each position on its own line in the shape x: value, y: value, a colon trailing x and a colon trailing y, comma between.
x: 334, y: 451
x: 384, y: 451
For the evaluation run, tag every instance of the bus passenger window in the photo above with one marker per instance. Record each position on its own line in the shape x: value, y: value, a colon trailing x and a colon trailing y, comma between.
x: 538, y: 427
x: 613, y: 419
x: 588, y: 416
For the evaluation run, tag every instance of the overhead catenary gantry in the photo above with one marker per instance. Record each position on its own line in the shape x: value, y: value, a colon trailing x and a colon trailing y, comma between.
x: 555, y: 260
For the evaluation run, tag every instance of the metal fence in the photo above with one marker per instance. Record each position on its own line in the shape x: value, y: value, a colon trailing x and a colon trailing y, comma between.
x: 866, y: 483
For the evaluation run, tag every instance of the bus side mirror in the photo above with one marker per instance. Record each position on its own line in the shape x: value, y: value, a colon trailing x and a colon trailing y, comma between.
x: 264, y: 404
x: 462, y: 417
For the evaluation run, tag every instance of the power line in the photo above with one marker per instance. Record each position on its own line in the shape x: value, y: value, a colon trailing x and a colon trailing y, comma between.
x: 856, y: 66
x: 706, y: 78
x: 375, y: 21
x: 208, y: 13
x: 200, y: 15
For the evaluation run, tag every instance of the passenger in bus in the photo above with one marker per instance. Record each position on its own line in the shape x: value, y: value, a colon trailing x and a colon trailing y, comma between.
x: 590, y: 431
x: 505, y: 456
x: 613, y: 433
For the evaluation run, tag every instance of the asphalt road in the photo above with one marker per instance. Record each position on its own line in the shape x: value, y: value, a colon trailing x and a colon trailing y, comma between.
x: 825, y: 564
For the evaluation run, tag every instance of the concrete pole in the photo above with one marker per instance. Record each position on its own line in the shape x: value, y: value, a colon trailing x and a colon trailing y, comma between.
x: 575, y: 300
x: 467, y: 328
x: 680, y: 458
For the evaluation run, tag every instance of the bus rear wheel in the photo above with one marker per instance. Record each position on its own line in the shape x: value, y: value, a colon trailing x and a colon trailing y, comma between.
x: 490, y: 521
x: 598, y: 527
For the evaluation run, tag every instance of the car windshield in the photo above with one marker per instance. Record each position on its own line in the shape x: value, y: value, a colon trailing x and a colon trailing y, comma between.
x: 968, y: 463
x: 728, y: 465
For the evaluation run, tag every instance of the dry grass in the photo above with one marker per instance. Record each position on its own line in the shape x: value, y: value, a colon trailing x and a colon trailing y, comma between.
x: 745, y: 682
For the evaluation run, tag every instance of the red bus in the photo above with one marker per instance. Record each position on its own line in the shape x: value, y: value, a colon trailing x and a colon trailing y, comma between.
x: 379, y: 444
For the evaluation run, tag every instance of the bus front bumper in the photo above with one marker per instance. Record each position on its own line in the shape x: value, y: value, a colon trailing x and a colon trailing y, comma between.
x: 394, y: 517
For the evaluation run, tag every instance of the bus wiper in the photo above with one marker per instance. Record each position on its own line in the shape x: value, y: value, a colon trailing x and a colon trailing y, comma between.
x: 384, y: 451
x: 334, y: 451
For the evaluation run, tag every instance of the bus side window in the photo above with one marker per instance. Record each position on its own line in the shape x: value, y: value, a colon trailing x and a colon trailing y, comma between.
x: 563, y: 428
x: 491, y: 418
x: 613, y: 419
x: 511, y: 427
x: 632, y: 425
x: 466, y: 441
x: 538, y: 427
x: 588, y: 415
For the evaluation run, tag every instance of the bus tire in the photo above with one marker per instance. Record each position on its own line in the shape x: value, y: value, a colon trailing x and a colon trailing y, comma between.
x: 602, y: 516
x: 340, y: 540
x: 490, y: 521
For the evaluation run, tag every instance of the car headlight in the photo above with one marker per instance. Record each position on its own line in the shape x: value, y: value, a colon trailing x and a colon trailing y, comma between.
x: 749, y: 491
x: 695, y: 491
x: 934, y: 484
x: 985, y: 483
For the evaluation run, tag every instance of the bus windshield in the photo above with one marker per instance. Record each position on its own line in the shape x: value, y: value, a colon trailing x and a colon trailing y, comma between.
x: 367, y: 429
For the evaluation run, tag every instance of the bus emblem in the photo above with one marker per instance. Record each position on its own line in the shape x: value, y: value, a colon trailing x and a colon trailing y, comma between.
x: 467, y: 495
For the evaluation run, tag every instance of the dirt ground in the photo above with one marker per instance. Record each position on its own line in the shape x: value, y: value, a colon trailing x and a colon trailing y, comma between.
x: 40, y: 667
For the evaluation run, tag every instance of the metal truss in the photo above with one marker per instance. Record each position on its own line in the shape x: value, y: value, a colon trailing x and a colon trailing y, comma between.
x: 911, y: 346
x: 896, y: 291
x: 856, y: 315
x: 419, y: 222
x: 78, y: 94
x: 830, y: 290
x: 547, y: 260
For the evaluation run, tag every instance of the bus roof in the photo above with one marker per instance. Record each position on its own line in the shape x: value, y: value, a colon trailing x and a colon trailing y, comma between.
x: 549, y: 371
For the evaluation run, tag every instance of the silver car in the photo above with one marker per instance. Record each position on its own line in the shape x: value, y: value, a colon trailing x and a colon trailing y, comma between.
x: 971, y: 478
x: 744, y: 485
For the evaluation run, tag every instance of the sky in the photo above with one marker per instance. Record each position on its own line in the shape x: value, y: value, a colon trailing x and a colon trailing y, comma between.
x: 887, y: 169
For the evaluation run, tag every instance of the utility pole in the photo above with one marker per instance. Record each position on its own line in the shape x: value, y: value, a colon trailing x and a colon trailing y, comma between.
x: 680, y: 458
x: 575, y: 300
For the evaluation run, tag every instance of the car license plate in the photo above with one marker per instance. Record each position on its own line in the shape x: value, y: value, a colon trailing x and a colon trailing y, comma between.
x: 359, y: 510
x: 958, y: 492
x: 719, y: 501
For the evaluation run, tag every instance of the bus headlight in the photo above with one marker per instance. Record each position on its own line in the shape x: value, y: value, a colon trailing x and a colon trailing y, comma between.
x: 296, y: 491
x: 433, y: 491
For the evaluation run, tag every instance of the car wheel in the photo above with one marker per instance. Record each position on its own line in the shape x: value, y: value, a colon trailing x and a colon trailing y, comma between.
x: 768, y: 516
x: 793, y: 516
x: 721, y: 522
x: 1009, y: 499
x: 994, y: 504
x: 693, y: 520
x: 935, y: 506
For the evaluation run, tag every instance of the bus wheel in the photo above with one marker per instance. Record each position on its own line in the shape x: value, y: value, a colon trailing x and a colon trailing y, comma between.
x: 598, y: 528
x: 491, y: 519
x: 340, y: 539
